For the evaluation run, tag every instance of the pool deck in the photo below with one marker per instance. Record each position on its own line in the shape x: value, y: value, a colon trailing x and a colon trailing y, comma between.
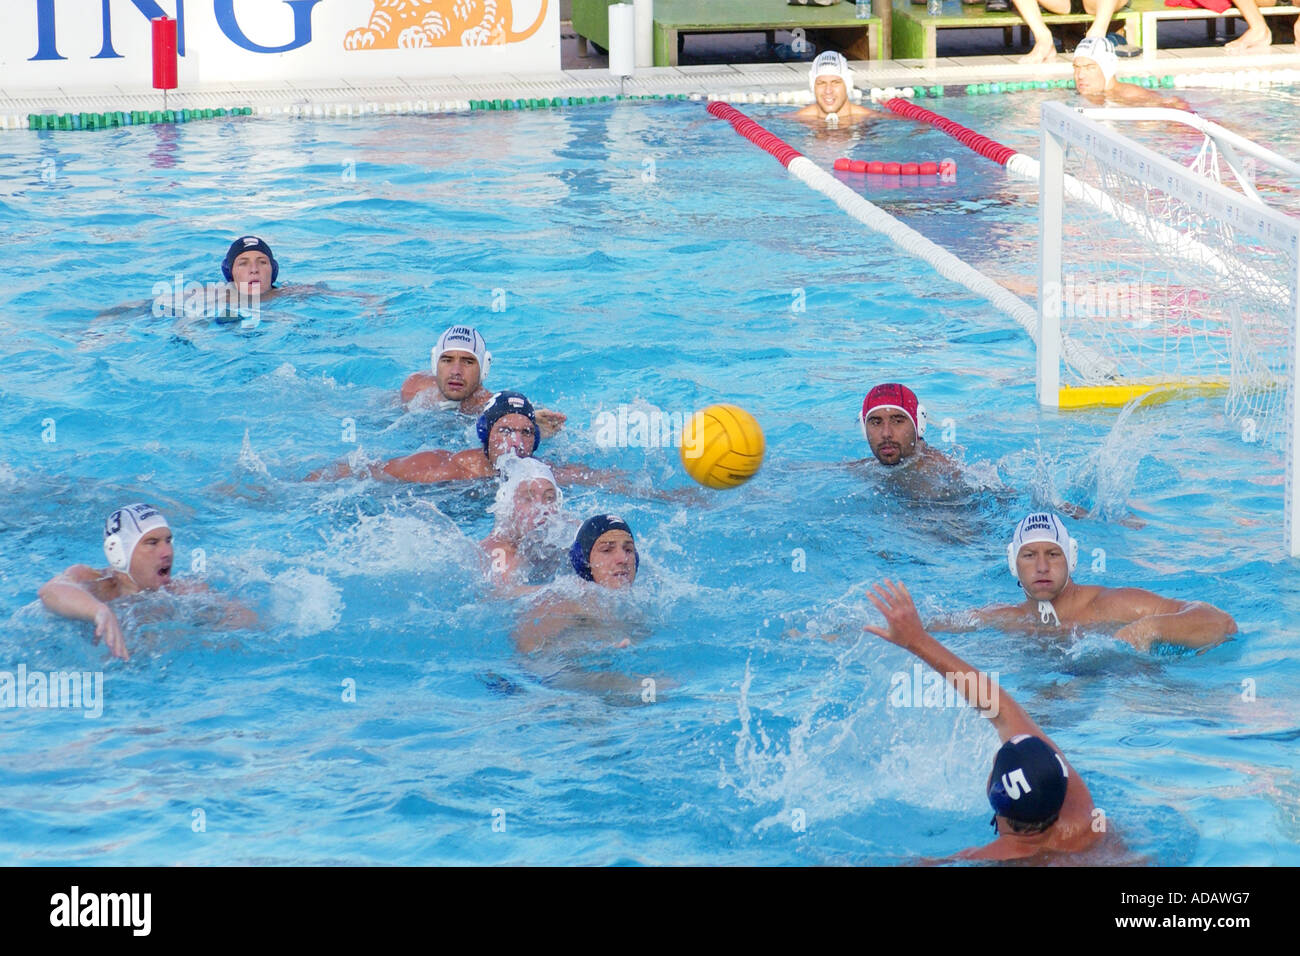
x: 434, y: 94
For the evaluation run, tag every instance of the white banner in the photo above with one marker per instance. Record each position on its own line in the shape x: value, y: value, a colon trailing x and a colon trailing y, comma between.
x: 105, y: 45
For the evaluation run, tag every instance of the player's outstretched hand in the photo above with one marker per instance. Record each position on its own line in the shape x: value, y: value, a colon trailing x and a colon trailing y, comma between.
x: 904, y: 624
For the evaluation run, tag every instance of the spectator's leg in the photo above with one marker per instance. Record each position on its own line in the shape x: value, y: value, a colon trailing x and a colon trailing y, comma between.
x: 1044, y: 50
x: 1257, y: 35
x: 1102, y: 10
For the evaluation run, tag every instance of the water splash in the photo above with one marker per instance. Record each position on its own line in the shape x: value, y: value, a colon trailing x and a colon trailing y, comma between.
x: 249, y: 461
x: 406, y: 536
x: 1112, y: 469
x: 304, y: 602
x: 845, y: 750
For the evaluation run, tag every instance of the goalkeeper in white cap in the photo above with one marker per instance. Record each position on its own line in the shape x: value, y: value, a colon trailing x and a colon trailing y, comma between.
x: 1042, y: 556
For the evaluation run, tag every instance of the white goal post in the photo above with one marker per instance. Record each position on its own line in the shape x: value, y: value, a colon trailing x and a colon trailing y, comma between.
x: 1182, y: 276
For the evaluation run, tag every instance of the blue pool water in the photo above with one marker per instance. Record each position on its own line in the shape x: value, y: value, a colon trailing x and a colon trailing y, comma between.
x: 613, y: 256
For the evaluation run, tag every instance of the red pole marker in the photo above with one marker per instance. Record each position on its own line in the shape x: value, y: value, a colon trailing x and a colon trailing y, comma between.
x: 164, y: 55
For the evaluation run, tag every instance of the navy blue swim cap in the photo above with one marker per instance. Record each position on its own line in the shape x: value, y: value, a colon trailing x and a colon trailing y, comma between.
x: 503, y: 404
x: 1028, y: 781
x: 593, y: 528
x: 248, y: 244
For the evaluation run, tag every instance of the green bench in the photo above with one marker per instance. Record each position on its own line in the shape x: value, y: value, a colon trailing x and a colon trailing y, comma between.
x: 915, y: 32
x: 674, y: 19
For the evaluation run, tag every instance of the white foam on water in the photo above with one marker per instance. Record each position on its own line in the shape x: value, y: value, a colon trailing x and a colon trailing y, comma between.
x: 422, y: 539
x: 249, y: 461
x: 286, y: 374
x: 305, y: 602
x: 1112, y: 468
x: 935, y: 758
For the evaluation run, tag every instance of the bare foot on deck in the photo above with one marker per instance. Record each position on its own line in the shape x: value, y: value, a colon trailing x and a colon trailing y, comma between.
x: 1252, y: 41
x: 1044, y: 51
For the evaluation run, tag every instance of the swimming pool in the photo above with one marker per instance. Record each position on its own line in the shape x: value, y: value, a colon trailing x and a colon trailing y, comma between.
x: 616, y: 244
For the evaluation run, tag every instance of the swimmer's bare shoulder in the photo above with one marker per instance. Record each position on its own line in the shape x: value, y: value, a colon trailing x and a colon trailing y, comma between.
x: 1149, y: 618
x: 1072, y: 832
x: 422, y: 384
x: 543, y: 622
x: 865, y: 112
x: 439, y: 465
x: 939, y: 463
x: 479, y: 401
x: 850, y: 113
x: 1130, y: 94
x: 102, y: 585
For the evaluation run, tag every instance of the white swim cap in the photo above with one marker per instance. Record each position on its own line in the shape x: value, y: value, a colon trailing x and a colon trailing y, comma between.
x: 1042, y: 526
x: 1099, y: 50
x: 463, y: 338
x: 124, y: 529
x: 830, y: 63
x: 514, y: 472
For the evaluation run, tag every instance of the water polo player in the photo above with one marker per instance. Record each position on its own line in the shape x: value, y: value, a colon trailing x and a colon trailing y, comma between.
x: 1040, y: 803
x: 461, y: 361
x: 1095, y: 67
x: 138, y: 545
x: 604, y: 553
x: 1042, y: 556
x: 252, y: 267
x: 831, y: 81
x: 893, y: 422
x: 523, y: 540
x: 508, y: 426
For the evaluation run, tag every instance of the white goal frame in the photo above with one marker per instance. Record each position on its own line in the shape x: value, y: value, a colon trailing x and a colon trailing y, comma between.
x: 1244, y: 212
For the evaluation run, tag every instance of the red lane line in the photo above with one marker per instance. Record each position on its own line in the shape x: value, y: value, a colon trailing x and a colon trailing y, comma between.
x: 967, y: 137
x: 747, y: 128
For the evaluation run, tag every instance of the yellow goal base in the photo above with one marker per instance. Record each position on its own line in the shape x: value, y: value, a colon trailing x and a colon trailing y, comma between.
x: 1121, y: 393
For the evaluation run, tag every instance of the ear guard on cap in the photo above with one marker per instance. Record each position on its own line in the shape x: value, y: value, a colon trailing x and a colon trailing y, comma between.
x: 115, y: 551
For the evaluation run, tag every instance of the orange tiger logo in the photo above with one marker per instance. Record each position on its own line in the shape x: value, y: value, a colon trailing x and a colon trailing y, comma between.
x: 410, y: 24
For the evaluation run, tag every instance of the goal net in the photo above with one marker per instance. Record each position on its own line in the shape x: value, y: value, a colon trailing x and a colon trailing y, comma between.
x: 1165, y: 259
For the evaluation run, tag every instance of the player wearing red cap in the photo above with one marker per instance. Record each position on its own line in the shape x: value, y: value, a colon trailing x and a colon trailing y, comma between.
x: 893, y: 423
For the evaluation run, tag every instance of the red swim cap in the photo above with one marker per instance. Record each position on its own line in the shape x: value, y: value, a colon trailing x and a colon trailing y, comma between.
x: 893, y: 395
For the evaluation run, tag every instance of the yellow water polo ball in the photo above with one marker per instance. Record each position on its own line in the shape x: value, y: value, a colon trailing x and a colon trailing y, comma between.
x: 722, y: 446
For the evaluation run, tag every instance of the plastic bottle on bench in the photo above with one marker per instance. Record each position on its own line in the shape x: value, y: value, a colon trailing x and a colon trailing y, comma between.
x: 934, y: 8
x: 863, y: 10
